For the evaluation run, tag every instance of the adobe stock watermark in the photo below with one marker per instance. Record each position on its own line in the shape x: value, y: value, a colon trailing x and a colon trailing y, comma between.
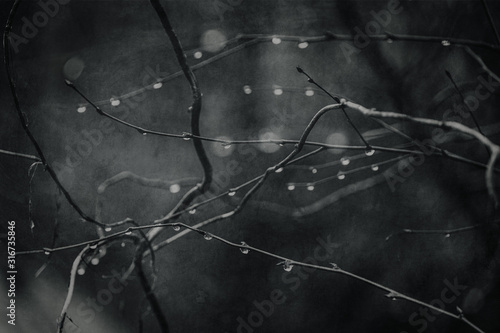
x: 31, y: 27
x: 406, y: 167
x: 376, y: 26
x: 420, y: 319
x: 90, y: 139
x: 87, y: 310
x: 293, y: 279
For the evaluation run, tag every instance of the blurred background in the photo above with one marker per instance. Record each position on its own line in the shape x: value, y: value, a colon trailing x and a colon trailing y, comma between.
x: 117, y: 54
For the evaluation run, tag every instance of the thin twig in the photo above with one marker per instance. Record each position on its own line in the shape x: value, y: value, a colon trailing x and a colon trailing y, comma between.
x: 336, y: 99
x: 334, y: 269
x: 11, y: 153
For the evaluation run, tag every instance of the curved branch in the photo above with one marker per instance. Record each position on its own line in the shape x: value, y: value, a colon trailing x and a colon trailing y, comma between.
x: 71, y: 288
x: 23, y: 120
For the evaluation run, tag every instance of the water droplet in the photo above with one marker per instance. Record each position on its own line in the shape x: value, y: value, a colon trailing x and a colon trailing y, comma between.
x: 369, y: 152
x: 276, y: 40
x: 341, y: 176
x: 107, y: 229
x: 123, y: 244
x: 244, y: 250
x: 198, y: 55
x: 81, y: 271
x: 207, y: 236
x: 335, y: 266
x: 232, y: 193
x: 310, y: 187
x: 128, y: 233
x: 445, y: 42
x: 281, y: 144
x: 278, y: 170
x: 174, y: 188
x: 192, y: 211
x: 389, y: 40
x: 314, y: 170
x: 81, y: 109
x: 226, y: 145
x: 278, y: 91
x: 374, y: 167
x: 114, y: 102
x: 176, y: 227
x: 46, y: 253
x: 447, y: 236
x: 247, y: 89
x: 309, y: 92
x: 144, y: 133
x: 291, y: 187
x: 287, y: 266
x: 186, y: 136
x: 303, y: 45
x: 93, y: 246
x: 94, y: 261
x: 394, y: 299
x: 345, y: 161
x: 157, y: 85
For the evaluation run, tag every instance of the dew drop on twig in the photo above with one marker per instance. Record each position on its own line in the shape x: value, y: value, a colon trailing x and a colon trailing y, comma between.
x: 345, y: 161
x: 369, y: 152
x: 310, y: 187
x: 93, y: 246
x: 244, y: 250
x: 287, y: 266
x: 192, y: 211
x: 174, y: 188
x: 176, y: 227
x: 46, y: 253
x: 207, y: 236
x: 107, y: 229
x: 447, y: 236
x: 341, y: 176
x: 81, y: 271
x: 303, y: 45
x: 278, y: 170
x: 445, y: 42
x: 291, y: 187
x: 314, y: 170
x: 232, y: 193
x: 374, y: 167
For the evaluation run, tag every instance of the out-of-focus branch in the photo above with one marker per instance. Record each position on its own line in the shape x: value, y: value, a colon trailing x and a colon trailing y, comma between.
x: 490, y: 19
x: 71, y: 288
x: 446, y: 232
x: 417, y: 38
x: 149, y: 182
